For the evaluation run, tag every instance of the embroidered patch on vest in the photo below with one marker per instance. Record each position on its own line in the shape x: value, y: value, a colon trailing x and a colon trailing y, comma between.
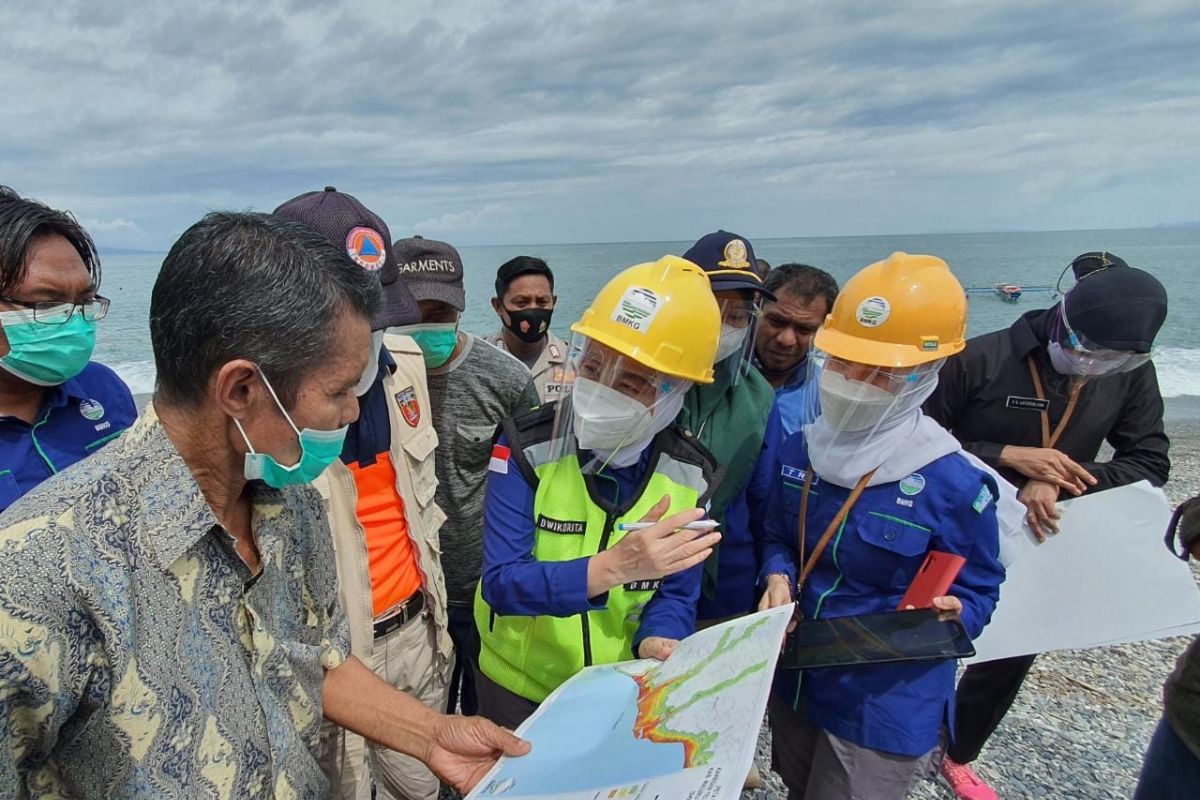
x: 410, y: 408
x: 572, y: 526
x: 643, y: 586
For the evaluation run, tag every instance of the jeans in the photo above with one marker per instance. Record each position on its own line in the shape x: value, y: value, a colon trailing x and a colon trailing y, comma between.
x: 1170, y: 770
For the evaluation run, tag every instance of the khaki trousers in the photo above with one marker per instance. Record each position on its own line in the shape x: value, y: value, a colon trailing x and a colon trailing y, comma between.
x: 405, y: 659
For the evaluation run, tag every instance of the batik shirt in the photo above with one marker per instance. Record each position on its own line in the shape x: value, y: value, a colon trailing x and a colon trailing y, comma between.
x: 139, y: 657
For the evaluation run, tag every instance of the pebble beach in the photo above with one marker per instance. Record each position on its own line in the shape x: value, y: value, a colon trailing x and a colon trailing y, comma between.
x: 1083, y: 719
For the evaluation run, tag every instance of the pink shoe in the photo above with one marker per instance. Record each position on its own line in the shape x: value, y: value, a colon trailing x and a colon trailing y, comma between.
x: 965, y: 783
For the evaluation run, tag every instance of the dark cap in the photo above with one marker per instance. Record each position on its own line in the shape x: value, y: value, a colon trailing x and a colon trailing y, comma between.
x: 729, y: 261
x: 1115, y: 305
x: 431, y: 270
x: 515, y: 267
x: 347, y: 223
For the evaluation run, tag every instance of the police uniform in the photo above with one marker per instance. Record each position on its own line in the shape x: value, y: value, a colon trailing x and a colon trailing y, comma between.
x: 549, y: 371
x: 76, y: 419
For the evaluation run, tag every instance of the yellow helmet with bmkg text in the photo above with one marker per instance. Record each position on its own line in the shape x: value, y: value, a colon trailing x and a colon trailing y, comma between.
x: 900, y: 312
x: 662, y: 315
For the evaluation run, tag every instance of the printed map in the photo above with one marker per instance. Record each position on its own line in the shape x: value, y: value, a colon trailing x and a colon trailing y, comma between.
x: 685, y: 728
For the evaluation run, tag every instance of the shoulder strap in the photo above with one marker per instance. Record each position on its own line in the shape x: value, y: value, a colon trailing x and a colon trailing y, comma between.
x: 681, y: 445
x: 834, y: 524
x: 524, y: 432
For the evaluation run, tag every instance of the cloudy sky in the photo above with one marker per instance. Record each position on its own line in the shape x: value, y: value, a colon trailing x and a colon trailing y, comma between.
x: 528, y: 122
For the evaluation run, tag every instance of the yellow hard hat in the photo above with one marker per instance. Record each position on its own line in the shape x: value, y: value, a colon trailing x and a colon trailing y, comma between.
x: 662, y: 315
x: 899, y: 312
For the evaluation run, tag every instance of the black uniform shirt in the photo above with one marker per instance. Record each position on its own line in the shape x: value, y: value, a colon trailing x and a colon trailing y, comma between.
x: 986, y: 398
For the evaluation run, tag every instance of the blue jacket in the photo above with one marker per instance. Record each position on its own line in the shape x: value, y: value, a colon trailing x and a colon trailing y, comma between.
x: 514, y: 582
x: 741, y: 535
x: 796, y: 407
x: 75, y: 420
x: 866, y: 568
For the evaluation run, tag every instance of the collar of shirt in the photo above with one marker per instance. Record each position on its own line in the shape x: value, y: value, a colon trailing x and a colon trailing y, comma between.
x: 169, y: 503
x: 1028, y: 332
x: 371, y: 433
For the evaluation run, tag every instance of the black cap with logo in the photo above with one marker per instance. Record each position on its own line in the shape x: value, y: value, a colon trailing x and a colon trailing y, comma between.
x: 431, y: 270
x: 347, y: 223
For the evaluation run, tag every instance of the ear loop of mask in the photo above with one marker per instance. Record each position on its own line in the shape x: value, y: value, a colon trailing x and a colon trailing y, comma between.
x: 278, y: 405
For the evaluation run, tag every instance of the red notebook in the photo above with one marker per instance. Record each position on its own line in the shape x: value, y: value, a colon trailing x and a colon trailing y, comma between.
x: 933, y: 579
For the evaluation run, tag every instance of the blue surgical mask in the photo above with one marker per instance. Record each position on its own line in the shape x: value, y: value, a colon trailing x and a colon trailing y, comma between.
x: 45, y: 354
x: 318, y: 449
x: 436, y: 340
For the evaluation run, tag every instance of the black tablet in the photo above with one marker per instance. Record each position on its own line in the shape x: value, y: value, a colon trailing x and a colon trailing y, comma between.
x: 919, y: 635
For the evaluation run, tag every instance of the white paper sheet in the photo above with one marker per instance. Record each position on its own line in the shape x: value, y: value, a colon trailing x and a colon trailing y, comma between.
x: 1106, y: 578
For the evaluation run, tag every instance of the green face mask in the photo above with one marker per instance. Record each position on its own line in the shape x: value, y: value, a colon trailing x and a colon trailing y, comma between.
x: 436, y: 340
x: 46, y: 355
x: 318, y: 449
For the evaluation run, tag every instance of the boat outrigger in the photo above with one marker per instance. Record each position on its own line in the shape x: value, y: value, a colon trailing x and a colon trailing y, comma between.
x: 1010, y: 292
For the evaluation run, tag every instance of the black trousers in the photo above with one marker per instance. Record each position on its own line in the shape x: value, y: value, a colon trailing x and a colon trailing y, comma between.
x: 461, y: 696
x: 984, y: 695
x: 501, y: 706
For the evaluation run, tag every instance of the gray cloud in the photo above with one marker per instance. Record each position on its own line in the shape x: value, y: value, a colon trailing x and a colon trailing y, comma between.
x: 527, y: 122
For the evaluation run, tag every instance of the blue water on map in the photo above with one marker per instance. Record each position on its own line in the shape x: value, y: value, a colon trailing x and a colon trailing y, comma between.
x: 584, y: 740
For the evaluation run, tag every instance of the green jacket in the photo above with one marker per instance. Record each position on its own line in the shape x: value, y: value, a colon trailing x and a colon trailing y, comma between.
x: 729, y: 418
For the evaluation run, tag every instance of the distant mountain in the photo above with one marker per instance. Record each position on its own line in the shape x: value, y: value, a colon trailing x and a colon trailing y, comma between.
x: 1193, y: 224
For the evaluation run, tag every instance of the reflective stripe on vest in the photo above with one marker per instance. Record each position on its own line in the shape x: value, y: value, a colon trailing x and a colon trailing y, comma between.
x: 532, y: 656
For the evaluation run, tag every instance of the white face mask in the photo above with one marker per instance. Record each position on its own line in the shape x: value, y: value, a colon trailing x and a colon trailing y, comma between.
x: 605, y: 419
x: 731, y: 342
x: 369, y: 374
x: 849, y: 405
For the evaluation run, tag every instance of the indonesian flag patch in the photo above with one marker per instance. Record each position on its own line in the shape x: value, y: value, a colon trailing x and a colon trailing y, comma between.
x: 499, y: 460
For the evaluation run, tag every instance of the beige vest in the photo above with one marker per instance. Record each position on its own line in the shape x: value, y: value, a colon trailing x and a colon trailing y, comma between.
x: 550, y: 374
x: 414, y: 441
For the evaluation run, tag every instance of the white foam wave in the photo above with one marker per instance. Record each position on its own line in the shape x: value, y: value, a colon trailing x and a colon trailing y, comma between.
x: 1178, y: 371
x: 138, y: 375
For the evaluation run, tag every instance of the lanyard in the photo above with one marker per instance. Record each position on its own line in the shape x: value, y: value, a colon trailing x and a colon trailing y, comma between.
x: 1050, y: 439
x: 834, y: 524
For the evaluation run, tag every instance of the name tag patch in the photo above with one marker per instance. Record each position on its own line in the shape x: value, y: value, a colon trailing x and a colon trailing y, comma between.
x: 795, y: 473
x: 1026, y: 403
x: 643, y: 586
x: 575, y: 527
x: 982, y: 500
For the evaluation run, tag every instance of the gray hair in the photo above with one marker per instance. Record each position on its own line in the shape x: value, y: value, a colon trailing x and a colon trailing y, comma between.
x: 252, y: 286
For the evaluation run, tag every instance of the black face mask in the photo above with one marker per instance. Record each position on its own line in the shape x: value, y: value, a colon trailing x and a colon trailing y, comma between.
x: 529, y: 325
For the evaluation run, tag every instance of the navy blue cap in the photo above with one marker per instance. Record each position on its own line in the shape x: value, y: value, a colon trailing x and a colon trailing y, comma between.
x: 729, y: 261
x: 347, y: 223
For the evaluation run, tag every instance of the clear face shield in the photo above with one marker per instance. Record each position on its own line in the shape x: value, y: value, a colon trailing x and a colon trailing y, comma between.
x: 856, y: 401
x: 740, y: 313
x: 614, y: 408
x: 1072, y: 353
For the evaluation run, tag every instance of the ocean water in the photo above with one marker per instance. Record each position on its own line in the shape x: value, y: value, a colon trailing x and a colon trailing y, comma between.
x: 978, y: 259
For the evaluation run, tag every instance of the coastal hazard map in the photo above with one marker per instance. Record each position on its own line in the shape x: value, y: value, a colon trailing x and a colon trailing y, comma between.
x: 681, y: 729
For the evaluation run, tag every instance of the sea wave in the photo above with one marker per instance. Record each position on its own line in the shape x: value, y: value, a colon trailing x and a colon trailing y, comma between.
x: 1178, y: 373
x: 138, y: 375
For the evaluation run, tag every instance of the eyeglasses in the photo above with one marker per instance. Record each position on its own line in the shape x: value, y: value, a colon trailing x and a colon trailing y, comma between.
x: 57, y: 313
